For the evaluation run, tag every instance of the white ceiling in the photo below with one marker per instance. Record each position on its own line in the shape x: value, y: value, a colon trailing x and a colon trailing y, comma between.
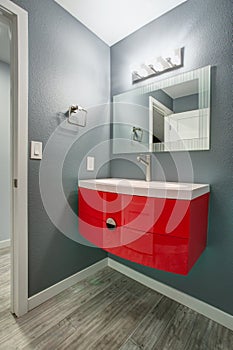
x: 184, y: 89
x: 4, y: 43
x: 113, y: 20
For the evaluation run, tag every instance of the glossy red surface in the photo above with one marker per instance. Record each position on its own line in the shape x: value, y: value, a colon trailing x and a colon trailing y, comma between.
x: 166, y: 234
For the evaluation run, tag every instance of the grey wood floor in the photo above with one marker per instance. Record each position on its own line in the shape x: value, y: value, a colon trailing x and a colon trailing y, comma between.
x: 107, y: 311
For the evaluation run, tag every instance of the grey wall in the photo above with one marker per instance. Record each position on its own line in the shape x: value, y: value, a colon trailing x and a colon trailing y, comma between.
x: 204, y: 28
x: 67, y: 64
x: 185, y: 103
x: 5, y: 177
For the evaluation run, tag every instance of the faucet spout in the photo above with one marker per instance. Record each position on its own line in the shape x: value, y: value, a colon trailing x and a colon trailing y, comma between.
x: 147, y: 163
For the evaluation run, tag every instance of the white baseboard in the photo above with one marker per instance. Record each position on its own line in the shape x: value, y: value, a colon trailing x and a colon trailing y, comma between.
x: 59, y: 287
x: 5, y: 244
x: 197, y: 305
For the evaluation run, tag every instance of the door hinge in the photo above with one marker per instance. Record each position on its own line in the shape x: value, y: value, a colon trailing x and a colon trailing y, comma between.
x: 15, y: 183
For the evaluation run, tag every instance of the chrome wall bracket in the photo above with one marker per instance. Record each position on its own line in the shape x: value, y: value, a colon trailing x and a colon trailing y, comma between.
x: 77, y: 115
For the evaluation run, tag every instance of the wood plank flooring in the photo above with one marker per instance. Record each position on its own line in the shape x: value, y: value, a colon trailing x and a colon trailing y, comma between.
x: 107, y: 311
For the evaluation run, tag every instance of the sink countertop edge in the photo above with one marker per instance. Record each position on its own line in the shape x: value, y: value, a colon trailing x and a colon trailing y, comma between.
x: 187, y: 191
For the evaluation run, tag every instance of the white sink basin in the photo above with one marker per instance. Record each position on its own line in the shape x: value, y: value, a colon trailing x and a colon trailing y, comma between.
x: 173, y: 190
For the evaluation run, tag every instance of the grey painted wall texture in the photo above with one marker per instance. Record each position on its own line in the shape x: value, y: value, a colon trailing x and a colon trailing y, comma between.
x: 67, y: 65
x: 5, y: 178
x: 204, y: 28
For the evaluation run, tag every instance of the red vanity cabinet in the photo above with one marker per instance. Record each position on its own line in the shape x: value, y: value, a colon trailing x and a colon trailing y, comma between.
x: 163, y: 233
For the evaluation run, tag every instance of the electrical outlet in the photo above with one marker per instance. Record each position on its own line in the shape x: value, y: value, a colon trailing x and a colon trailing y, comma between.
x: 90, y: 163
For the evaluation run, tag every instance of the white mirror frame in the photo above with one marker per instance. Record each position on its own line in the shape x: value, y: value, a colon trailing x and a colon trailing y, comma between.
x: 202, y: 143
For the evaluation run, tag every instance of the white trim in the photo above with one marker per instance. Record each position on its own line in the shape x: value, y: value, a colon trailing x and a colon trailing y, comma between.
x: 197, y: 305
x: 163, y: 109
x: 159, y: 106
x: 151, y: 124
x: 19, y: 103
x: 59, y: 287
x: 5, y: 244
x: 11, y: 8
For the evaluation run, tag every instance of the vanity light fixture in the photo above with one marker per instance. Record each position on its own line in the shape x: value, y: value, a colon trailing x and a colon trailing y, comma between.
x: 158, y: 65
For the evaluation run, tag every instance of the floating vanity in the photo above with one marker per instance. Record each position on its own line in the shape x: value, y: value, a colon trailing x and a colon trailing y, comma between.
x: 158, y: 224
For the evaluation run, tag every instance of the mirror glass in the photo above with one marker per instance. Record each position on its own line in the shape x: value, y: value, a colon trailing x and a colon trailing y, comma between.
x: 169, y: 115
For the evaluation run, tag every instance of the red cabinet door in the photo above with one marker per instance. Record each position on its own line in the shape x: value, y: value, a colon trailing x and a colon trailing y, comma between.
x: 156, y: 215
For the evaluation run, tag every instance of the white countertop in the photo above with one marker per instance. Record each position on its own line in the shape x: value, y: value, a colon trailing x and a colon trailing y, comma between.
x: 157, y: 189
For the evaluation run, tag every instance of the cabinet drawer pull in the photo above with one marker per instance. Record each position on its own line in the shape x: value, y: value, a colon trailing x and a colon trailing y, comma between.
x: 111, y: 224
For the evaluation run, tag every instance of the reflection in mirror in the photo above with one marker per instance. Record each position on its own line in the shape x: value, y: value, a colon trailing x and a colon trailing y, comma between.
x: 171, y: 115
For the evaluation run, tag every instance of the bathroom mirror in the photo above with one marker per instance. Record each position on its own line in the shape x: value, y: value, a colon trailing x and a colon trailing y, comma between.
x: 168, y: 115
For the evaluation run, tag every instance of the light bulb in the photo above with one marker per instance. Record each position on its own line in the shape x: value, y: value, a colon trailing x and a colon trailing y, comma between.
x: 175, y: 57
x: 142, y: 72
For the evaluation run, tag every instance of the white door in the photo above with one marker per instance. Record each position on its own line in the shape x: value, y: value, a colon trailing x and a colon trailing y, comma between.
x: 183, y: 126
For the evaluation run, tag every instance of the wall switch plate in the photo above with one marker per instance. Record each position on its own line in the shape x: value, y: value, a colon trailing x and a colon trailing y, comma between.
x: 90, y: 163
x: 36, y: 150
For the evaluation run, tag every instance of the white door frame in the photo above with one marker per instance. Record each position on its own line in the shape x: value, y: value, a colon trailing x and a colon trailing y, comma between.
x: 19, y: 134
x: 161, y: 107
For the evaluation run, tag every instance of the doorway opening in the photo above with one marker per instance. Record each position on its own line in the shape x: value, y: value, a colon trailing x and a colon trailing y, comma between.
x: 5, y: 134
x: 158, y: 113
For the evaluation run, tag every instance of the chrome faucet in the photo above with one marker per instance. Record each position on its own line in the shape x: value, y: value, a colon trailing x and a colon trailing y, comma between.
x: 147, y: 163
